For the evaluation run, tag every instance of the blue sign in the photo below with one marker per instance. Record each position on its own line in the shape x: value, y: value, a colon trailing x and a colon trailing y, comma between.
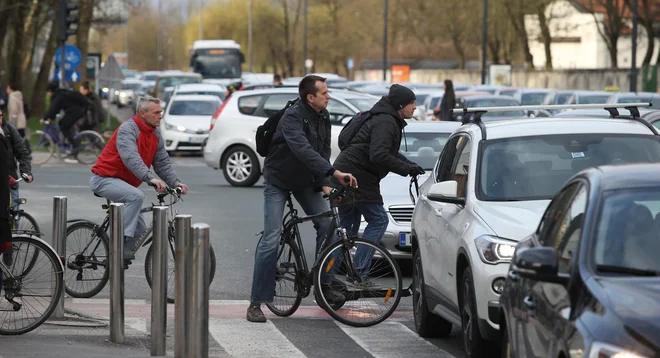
x: 72, y: 57
x: 350, y: 64
x: 69, y: 75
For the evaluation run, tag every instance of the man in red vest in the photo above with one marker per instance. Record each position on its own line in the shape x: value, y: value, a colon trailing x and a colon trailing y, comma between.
x: 124, y: 164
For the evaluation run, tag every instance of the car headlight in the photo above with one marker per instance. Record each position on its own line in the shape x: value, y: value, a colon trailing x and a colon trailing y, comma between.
x: 604, y: 350
x: 122, y: 94
x: 494, y: 250
x: 181, y: 128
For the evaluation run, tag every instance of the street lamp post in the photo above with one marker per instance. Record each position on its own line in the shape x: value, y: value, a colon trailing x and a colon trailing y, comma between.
x: 484, y: 40
x: 385, y: 43
x: 633, y: 67
x: 250, y: 36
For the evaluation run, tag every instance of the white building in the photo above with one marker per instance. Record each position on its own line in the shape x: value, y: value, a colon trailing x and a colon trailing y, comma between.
x: 576, y: 42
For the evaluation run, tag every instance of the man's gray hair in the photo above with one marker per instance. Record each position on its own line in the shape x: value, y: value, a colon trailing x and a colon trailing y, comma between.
x: 143, y: 103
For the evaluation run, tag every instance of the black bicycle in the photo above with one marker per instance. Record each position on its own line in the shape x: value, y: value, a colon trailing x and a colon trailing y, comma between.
x: 362, y: 271
x: 87, y: 249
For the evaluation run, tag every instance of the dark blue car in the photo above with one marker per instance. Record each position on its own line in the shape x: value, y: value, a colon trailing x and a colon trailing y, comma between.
x: 587, y: 282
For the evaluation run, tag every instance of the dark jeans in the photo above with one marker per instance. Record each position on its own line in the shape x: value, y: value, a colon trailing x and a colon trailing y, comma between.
x: 350, y: 218
x: 70, y: 134
x: 265, y: 257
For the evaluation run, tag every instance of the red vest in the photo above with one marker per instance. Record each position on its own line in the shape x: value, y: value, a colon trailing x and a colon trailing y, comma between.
x: 109, y: 163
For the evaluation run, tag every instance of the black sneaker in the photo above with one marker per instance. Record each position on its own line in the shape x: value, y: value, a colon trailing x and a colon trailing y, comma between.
x: 332, y: 296
x: 8, y: 259
x: 254, y: 314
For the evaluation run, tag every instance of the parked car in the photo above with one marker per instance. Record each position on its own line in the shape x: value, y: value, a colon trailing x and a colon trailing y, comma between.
x: 531, y: 96
x: 636, y: 97
x: 488, y: 190
x: 185, y: 125
x: 231, y: 146
x: 587, y: 281
x: 201, y: 88
x: 422, y: 143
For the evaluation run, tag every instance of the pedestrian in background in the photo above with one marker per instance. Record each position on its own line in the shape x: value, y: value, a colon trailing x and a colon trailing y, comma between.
x: 277, y: 80
x: 15, y: 109
x: 448, y: 102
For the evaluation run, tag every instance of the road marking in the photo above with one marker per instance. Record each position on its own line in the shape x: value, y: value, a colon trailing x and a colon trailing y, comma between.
x: 388, y: 339
x: 231, y: 334
x: 57, y: 186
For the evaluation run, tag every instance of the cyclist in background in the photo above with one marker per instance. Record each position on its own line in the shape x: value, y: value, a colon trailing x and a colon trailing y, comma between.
x: 74, y: 106
x: 124, y: 165
x: 15, y: 152
x: 94, y: 112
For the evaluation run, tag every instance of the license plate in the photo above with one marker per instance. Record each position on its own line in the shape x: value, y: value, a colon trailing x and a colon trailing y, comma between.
x: 195, y: 139
x: 404, y: 239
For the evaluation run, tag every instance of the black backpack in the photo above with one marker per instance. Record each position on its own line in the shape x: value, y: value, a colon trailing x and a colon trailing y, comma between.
x: 351, y: 128
x: 266, y: 131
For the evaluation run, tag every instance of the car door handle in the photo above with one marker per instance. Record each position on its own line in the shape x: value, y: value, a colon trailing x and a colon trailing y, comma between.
x: 513, y: 276
x: 529, y: 302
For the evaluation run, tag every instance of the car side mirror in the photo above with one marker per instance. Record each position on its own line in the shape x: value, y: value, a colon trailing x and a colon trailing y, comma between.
x: 539, y: 264
x: 445, y: 192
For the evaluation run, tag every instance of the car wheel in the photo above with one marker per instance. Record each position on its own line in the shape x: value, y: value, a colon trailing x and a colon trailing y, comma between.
x: 427, y: 324
x: 473, y: 344
x: 240, y: 166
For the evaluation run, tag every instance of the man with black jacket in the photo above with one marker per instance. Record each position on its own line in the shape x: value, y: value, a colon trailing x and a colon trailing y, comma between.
x: 370, y: 156
x: 298, y: 164
x: 15, y: 152
x: 74, y: 106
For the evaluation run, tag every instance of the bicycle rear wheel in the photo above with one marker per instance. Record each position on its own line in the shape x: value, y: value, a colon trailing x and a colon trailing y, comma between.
x: 289, y: 265
x: 366, y: 275
x: 35, y: 293
x: 87, y: 252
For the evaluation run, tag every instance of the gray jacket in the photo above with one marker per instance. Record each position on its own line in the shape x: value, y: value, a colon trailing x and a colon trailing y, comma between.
x: 300, y: 157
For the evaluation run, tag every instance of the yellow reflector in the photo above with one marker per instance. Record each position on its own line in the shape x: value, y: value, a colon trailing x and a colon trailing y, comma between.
x: 329, y: 266
x: 388, y: 295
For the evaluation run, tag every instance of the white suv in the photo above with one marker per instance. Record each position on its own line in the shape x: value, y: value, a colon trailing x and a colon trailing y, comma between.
x: 488, y: 190
x: 231, y: 145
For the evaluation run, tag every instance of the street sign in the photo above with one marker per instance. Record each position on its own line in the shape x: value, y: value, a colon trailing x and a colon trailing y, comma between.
x: 69, y: 76
x: 350, y: 64
x: 72, y: 57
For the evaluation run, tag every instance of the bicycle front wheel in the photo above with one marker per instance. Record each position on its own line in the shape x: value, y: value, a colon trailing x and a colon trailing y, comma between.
x: 42, y: 147
x: 91, y: 146
x: 365, y: 275
x: 27, y: 299
x: 288, y: 268
x: 170, y: 268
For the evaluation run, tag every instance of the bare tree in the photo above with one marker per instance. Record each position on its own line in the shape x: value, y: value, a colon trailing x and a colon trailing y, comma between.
x: 609, y: 17
x: 648, y: 13
x: 85, y: 14
x: 38, y: 94
x: 16, y: 58
x: 516, y: 11
x: 36, y: 19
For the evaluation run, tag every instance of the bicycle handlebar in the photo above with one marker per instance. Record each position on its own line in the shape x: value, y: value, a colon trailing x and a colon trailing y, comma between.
x: 168, y: 191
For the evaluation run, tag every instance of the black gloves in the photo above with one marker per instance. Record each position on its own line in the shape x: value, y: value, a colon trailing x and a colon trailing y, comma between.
x: 415, y: 170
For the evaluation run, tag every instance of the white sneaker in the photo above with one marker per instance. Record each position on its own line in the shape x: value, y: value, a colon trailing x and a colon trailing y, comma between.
x: 71, y: 161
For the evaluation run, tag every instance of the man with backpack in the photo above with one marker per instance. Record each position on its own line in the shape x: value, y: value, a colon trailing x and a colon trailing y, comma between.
x: 297, y: 162
x: 370, y: 150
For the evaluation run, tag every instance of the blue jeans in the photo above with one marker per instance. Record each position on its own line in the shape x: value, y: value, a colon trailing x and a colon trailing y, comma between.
x: 265, y: 257
x: 350, y: 217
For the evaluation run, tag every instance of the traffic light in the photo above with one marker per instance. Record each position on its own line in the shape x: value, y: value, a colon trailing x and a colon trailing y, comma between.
x: 68, y: 18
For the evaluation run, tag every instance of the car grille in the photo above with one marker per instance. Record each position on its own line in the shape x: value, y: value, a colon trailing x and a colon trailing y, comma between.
x: 402, y: 214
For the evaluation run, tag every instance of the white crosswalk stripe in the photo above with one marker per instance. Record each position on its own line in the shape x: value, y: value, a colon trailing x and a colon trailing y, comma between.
x: 231, y: 335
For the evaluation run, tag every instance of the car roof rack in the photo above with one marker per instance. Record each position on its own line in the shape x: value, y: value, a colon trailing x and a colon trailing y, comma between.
x: 473, y: 114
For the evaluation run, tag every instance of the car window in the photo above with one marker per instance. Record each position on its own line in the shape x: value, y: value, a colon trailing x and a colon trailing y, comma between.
x: 565, y: 236
x: 363, y: 104
x: 249, y: 104
x: 534, y: 168
x: 555, y: 212
x: 627, y: 230
x: 193, y: 108
x: 446, y: 161
x: 275, y: 102
x: 462, y: 167
x: 423, y: 148
x: 532, y: 99
x: 338, y: 110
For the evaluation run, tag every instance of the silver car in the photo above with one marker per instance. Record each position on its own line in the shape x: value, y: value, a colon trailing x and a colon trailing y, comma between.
x: 422, y: 144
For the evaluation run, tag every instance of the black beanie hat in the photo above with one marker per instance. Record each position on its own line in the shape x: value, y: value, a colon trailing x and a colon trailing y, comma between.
x: 52, y: 86
x: 401, y: 96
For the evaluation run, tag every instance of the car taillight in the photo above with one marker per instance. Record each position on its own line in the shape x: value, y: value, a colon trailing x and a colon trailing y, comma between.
x: 216, y: 115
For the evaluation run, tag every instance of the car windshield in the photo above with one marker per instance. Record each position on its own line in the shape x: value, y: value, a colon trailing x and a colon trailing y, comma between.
x: 593, y: 99
x: 363, y: 104
x: 533, y: 99
x: 627, y: 236
x: 193, y: 108
x: 131, y: 86
x: 211, y: 66
x: 535, y: 168
x: 496, y: 102
x: 423, y: 148
x: 220, y: 94
x: 165, y: 82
